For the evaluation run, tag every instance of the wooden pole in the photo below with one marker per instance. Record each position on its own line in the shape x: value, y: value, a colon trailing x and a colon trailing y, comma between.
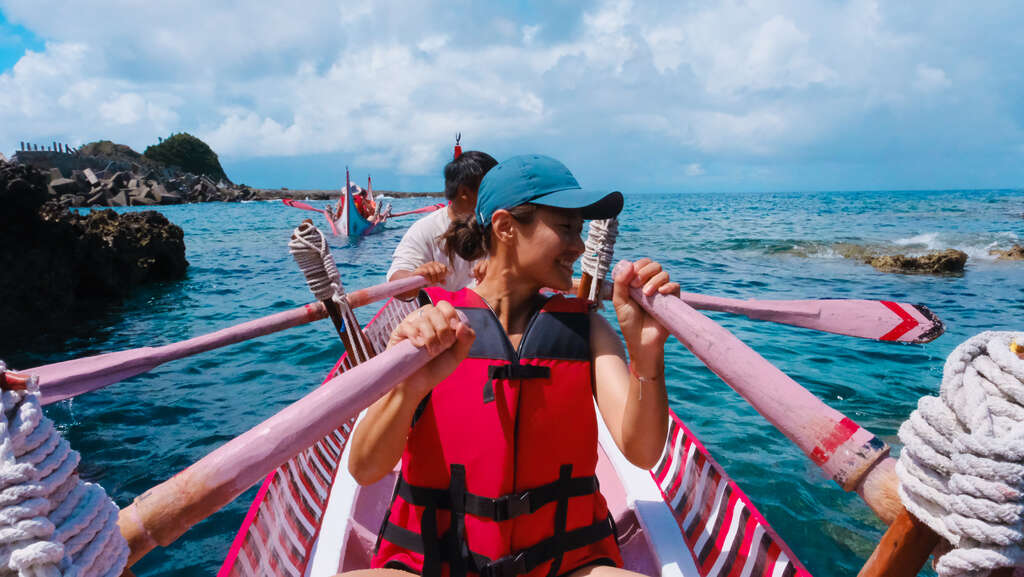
x: 903, y: 550
x: 162, y: 514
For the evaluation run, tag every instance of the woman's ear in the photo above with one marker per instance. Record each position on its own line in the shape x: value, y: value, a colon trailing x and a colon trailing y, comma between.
x: 503, y: 226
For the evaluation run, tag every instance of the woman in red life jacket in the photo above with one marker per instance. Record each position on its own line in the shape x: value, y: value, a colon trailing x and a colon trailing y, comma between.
x: 498, y: 435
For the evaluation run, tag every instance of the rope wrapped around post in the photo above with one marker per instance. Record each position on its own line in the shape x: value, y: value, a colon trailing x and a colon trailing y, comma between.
x: 962, y: 468
x: 597, y: 257
x: 310, y: 251
x: 51, y: 522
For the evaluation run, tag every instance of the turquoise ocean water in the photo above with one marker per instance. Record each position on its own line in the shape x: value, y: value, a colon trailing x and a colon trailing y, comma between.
x: 140, y: 432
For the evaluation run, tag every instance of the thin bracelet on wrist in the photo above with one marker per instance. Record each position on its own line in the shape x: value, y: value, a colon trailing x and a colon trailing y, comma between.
x: 642, y: 380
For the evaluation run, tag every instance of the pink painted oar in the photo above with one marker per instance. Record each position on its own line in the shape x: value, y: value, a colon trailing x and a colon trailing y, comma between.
x: 165, y: 512
x: 867, y: 319
x: 327, y: 214
x: 881, y: 320
x: 846, y: 452
x: 430, y: 208
x: 66, y: 379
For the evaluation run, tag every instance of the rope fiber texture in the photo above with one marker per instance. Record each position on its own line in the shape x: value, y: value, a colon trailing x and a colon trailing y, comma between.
x: 600, y: 248
x: 962, y: 467
x: 51, y: 522
x: 310, y: 251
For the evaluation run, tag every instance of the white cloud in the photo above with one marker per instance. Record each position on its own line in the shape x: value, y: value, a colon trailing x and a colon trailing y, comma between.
x: 391, y: 82
x: 931, y: 79
x: 694, y: 169
x: 529, y: 33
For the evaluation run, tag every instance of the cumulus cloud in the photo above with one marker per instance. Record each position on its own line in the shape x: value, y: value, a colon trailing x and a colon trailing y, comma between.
x: 781, y: 81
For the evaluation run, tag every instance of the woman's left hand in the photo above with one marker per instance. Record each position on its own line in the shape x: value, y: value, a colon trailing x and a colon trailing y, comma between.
x: 644, y: 335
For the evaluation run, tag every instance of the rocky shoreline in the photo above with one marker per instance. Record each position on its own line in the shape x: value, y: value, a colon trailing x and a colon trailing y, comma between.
x: 52, y: 258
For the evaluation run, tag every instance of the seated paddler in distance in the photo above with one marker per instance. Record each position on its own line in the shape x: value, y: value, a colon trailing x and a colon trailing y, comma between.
x: 498, y: 435
x: 422, y: 250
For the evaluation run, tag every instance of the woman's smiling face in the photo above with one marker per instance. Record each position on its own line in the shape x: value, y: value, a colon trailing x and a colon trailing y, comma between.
x: 547, y: 247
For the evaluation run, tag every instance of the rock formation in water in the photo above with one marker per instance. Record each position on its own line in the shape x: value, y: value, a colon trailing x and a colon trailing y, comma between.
x: 1015, y: 253
x: 104, y: 173
x: 50, y: 257
x: 944, y: 262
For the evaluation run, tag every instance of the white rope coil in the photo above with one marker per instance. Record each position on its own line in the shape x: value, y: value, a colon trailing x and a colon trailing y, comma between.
x: 962, y: 468
x: 600, y: 248
x: 309, y: 249
x: 51, y: 523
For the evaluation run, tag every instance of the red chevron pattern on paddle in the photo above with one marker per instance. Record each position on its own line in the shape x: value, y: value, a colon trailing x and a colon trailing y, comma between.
x: 901, y: 329
x: 725, y: 533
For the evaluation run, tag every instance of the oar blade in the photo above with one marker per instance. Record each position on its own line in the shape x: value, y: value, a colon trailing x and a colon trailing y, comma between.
x: 866, y: 319
x: 880, y: 320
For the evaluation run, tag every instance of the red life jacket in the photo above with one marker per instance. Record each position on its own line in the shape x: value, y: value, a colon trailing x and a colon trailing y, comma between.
x: 498, y: 474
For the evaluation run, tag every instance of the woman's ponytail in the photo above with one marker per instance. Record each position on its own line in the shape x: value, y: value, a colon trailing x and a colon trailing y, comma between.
x: 465, y: 238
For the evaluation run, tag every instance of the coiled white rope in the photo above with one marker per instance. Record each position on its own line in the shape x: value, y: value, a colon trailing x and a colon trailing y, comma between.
x: 51, y: 523
x: 962, y: 468
x: 310, y: 251
x: 598, y: 252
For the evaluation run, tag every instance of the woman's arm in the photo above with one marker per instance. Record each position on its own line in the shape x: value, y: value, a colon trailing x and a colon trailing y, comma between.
x: 633, y: 400
x: 635, y: 411
x: 379, y: 439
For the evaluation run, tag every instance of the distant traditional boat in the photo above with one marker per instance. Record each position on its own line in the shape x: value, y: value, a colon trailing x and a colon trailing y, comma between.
x: 348, y: 221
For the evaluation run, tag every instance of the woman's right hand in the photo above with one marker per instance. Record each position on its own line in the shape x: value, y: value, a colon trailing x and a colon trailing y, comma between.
x: 440, y: 330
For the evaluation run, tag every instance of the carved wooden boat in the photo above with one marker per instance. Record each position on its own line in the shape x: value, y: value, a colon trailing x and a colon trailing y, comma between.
x: 685, y: 517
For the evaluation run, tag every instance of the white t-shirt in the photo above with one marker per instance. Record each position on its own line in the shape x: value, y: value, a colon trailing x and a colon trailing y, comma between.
x: 422, y: 244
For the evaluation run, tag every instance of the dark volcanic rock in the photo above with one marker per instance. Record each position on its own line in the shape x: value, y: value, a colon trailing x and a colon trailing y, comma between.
x: 1015, y: 253
x: 51, y: 257
x: 947, y: 261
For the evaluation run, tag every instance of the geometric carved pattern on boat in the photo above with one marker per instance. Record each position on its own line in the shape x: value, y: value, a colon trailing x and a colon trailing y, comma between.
x: 725, y: 534
x: 708, y: 516
x: 278, y: 533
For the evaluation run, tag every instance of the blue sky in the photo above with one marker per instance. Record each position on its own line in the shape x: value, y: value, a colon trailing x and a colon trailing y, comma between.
x: 642, y: 96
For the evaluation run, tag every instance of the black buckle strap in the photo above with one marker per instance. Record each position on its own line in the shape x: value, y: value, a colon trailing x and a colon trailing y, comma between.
x: 511, y: 565
x: 530, y: 558
x: 501, y: 508
x: 512, y: 371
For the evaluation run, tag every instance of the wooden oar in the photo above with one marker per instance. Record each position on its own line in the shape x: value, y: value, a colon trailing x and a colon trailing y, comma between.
x: 430, y: 208
x: 850, y: 455
x: 867, y: 319
x: 165, y: 512
x: 66, y: 379
x: 846, y: 452
x: 327, y: 214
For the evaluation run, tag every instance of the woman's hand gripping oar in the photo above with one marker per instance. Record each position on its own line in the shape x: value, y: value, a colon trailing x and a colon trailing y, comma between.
x: 866, y: 319
x: 66, y: 379
x: 165, y: 512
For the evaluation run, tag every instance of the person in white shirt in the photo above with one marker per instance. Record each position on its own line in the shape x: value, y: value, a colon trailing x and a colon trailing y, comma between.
x: 421, y: 251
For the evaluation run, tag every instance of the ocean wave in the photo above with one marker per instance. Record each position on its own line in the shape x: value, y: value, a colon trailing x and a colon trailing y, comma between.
x: 978, y: 246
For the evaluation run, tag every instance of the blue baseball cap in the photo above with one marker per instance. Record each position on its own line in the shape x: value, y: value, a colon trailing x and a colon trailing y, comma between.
x: 542, y: 180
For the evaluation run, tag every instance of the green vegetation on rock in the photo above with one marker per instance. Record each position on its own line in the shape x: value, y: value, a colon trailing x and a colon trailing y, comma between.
x: 108, y: 149
x: 188, y: 153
